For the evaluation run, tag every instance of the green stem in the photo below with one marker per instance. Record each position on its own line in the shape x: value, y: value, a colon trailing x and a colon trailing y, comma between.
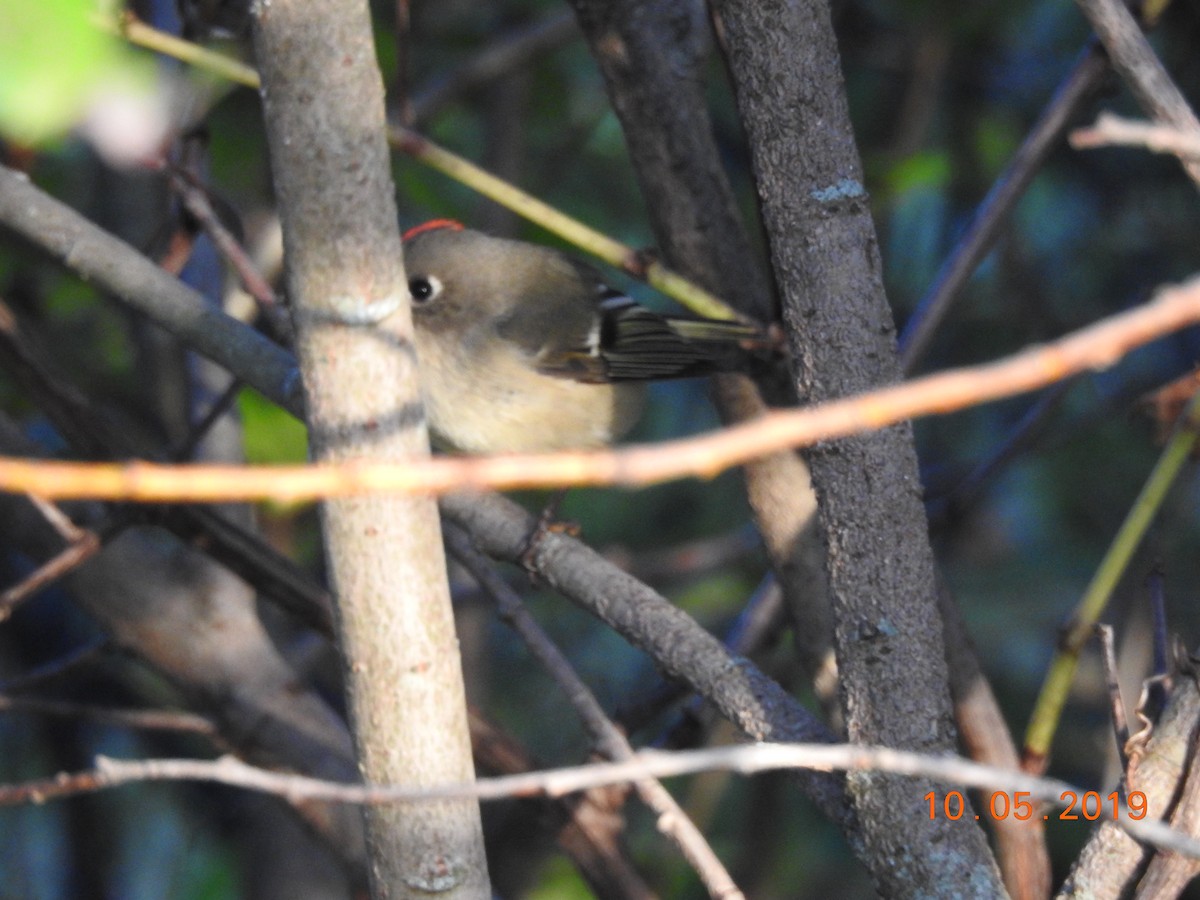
x: 1044, y: 721
x: 421, y: 148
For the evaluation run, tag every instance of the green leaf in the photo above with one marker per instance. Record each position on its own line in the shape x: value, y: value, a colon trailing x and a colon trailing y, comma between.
x: 270, y: 434
x: 51, y: 60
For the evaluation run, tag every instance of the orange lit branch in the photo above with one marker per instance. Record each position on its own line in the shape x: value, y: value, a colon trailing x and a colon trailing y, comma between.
x: 1095, y: 347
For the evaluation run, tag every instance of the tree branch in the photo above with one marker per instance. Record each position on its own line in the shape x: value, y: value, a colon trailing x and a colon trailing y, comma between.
x: 323, y: 106
x: 743, y: 759
x: 1143, y: 71
x: 887, y: 628
x: 608, y: 739
x: 117, y: 268
x: 1093, y: 348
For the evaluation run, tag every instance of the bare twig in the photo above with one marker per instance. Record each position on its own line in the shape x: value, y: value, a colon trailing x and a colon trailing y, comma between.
x: 993, y: 213
x: 1095, y: 347
x: 1135, y: 59
x: 587, y: 824
x: 77, y: 552
x: 56, y: 669
x: 1111, y: 130
x: 744, y: 759
x: 197, y: 432
x: 507, y: 52
x: 144, y: 719
x: 1108, y: 656
x: 968, y: 489
x: 195, y: 200
x: 58, y: 520
x: 672, y: 820
x: 82, y: 545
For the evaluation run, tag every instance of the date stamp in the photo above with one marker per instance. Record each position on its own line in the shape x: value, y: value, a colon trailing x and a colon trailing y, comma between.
x: 1090, y: 806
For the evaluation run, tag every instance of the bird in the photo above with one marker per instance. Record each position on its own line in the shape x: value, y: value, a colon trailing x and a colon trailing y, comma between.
x: 523, y: 348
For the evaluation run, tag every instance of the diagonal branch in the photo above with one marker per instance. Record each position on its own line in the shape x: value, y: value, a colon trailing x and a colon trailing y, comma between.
x: 1093, y: 348
x: 1143, y: 71
x: 672, y: 820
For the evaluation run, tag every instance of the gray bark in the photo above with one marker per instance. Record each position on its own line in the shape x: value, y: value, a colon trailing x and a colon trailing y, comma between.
x: 323, y: 101
x: 887, y: 630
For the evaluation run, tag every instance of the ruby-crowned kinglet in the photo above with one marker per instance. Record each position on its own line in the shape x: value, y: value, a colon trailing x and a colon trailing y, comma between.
x: 523, y: 348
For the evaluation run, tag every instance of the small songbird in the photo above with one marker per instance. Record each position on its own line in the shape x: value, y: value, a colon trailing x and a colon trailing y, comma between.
x: 524, y: 349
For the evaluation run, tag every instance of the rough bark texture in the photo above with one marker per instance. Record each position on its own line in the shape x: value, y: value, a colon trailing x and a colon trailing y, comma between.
x: 323, y: 99
x: 1112, y: 863
x: 755, y: 704
x: 653, y: 57
x: 887, y: 632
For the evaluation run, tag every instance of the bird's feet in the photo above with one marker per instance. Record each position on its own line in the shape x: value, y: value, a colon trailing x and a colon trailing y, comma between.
x: 547, y: 523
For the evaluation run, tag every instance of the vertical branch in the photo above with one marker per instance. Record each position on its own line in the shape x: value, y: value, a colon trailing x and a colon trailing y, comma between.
x: 887, y: 630
x: 323, y: 99
x: 653, y: 56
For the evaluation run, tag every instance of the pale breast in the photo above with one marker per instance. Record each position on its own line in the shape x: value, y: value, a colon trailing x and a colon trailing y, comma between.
x: 501, y: 405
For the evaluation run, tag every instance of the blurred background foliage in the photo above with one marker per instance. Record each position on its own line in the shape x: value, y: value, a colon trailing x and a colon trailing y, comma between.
x: 941, y: 94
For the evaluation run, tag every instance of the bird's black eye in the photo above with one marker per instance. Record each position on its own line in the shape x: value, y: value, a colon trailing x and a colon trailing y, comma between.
x: 424, y: 288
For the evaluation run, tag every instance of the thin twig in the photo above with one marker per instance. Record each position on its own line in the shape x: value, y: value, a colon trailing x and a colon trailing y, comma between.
x: 82, y: 545
x: 1082, y: 81
x: 1095, y: 347
x: 419, y: 147
x: 140, y: 34
x: 672, y: 820
x: 1108, y: 656
x: 1053, y: 697
x: 1112, y: 130
x: 507, y: 52
x: 744, y: 759
x: 1158, y: 610
x: 1134, y: 58
x: 58, y: 519
x: 197, y: 432
x: 195, y: 200
x: 586, y: 824
x: 143, y: 719
x: 942, y: 509
x: 79, y: 551
x: 56, y: 669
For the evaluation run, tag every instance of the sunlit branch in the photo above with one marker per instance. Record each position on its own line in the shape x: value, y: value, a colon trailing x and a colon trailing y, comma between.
x: 1095, y: 347
x: 1115, y: 131
x: 744, y: 759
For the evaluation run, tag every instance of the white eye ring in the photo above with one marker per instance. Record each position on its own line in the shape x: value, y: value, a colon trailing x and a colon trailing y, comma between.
x: 424, y: 288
